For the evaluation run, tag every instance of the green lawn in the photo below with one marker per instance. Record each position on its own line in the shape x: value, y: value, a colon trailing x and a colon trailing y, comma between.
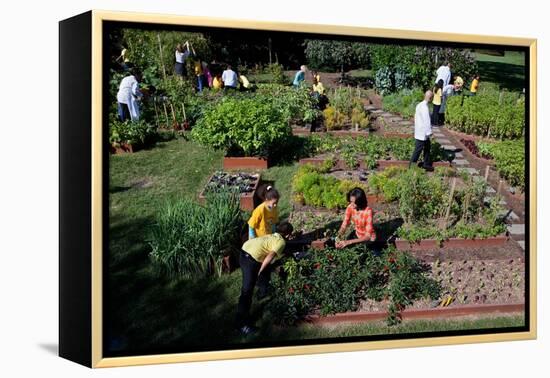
x: 149, y: 311
x: 508, y: 71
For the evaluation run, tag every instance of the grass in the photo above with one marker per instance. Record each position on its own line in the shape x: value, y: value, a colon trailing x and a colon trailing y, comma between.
x: 149, y: 312
x: 507, y: 71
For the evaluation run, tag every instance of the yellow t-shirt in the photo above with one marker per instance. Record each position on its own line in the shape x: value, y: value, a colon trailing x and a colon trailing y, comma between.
x: 244, y: 81
x: 263, y: 219
x: 437, y: 97
x: 217, y: 83
x: 198, y: 68
x: 319, y: 88
x: 260, y: 247
x: 475, y: 84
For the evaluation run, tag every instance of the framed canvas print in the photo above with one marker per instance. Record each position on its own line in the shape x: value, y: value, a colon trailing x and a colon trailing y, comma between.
x: 234, y: 189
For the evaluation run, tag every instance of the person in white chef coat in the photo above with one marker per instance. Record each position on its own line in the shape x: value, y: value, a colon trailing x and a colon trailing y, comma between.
x: 444, y: 73
x: 128, y: 97
x: 422, y: 132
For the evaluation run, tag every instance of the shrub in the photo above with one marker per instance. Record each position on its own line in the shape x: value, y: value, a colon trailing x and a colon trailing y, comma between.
x: 278, y: 73
x: 243, y: 126
x: 332, y: 281
x: 313, y: 188
x: 403, y: 102
x: 509, y: 158
x: 129, y: 132
x: 191, y: 240
x: 333, y: 118
x: 491, y: 113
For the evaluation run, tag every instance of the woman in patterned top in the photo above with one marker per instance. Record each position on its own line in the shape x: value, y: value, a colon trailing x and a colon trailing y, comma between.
x: 362, y: 217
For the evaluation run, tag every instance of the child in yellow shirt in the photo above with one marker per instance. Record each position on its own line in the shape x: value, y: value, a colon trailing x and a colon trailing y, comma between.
x: 265, y: 217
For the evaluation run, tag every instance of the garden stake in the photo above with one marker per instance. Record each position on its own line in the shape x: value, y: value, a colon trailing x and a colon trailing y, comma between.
x: 156, y: 111
x: 166, y: 114
x: 448, y: 211
x: 486, y: 173
x: 161, y: 58
x: 499, y: 187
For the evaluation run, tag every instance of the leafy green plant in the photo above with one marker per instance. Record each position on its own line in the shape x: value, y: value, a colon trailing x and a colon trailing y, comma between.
x: 311, y: 187
x: 189, y: 239
x: 129, y: 132
x: 491, y: 113
x: 243, y: 126
x: 332, y: 281
x: 509, y: 158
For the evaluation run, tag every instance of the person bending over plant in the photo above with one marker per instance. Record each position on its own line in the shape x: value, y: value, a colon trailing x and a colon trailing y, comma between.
x: 361, y: 215
x: 256, y: 257
x: 265, y: 217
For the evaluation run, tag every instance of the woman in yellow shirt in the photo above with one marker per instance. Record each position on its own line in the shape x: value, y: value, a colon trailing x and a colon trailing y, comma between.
x: 265, y: 217
x: 217, y: 82
x: 438, y: 92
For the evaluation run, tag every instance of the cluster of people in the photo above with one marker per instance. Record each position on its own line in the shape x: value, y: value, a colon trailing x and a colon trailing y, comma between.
x: 267, y: 241
x: 423, y: 120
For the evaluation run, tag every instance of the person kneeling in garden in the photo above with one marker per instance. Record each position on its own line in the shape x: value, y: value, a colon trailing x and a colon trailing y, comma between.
x: 265, y: 217
x: 255, y: 261
x: 361, y: 215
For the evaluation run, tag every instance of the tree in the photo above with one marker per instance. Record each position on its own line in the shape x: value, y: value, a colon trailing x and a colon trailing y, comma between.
x: 336, y: 55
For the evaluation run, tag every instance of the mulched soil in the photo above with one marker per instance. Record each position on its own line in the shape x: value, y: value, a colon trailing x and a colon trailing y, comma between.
x: 471, y: 281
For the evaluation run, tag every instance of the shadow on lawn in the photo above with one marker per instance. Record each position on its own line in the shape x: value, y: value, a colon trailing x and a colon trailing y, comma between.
x: 507, y: 76
x: 150, y: 312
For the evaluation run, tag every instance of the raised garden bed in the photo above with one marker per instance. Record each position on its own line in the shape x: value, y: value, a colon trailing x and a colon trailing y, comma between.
x: 245, y: 183
x: 383, y: 164
x: 410, y: 314
x: 123, y: 148
x: 230, y: 163
x: 432, y: 244
x: 301, y: 131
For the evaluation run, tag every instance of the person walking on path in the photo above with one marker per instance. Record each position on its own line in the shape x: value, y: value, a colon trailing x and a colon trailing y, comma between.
x: 299, y: 77
x: 422, y: 132
x: 128, y: 96
x: 256, y: 258
x: 444, y: 73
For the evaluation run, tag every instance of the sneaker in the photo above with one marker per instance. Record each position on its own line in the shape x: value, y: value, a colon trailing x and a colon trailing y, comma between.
x: 248, y: 330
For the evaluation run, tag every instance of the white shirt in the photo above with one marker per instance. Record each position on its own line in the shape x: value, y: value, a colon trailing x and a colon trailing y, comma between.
x: 443, y: 73
x: 180, y: 57
x: 422, y: 121
x: 229, y: 78
x: 128, y: 92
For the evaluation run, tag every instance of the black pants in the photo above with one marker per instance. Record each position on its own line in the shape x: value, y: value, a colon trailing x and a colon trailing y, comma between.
x: 250, y: 269
x: 419, y: 146
x: 435, y: 115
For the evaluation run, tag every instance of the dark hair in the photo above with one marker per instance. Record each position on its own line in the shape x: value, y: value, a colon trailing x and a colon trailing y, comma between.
x: 270, y: 193
x: 438, y: 85
x: 285, y: 228
x: 229, y: 66
x: 360, y: 198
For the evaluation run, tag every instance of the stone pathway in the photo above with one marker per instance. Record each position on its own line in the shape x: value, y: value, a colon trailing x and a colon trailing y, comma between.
x: 516, y: 230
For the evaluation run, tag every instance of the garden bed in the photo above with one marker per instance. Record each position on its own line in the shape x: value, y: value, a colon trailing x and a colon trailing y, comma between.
x: 123, y: 148
x: 410, y: 314
x: 245, y: 183
x: 383, y: 164
x: 245, y: 163
x: 344, y: 132
x: 432, y: 244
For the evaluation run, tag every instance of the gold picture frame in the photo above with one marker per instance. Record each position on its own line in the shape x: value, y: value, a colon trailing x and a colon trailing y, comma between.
x: 93, y: 24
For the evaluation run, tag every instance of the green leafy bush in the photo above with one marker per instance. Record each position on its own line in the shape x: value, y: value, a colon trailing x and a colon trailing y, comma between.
x: 311, y: 187
x: 191, y: 240
x: 509, y: 158
x: 403, y: 102
x: 332, y: 281
x: 129, y: 132
x: 278, y: 73
x: 491, y: 113
x: 243, y: 126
